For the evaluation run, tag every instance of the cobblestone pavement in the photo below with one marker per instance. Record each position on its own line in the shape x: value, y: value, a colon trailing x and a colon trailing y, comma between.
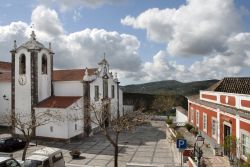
x: 146, y: 145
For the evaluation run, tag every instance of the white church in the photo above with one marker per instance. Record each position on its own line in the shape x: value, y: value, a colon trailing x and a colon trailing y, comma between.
x: 29, y: 85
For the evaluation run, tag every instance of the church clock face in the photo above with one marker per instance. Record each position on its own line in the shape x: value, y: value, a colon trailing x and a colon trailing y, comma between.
x: 22, y: 80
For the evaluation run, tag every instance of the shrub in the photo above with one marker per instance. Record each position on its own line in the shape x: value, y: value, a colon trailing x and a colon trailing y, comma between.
x: 179, y: 136
x: 194, y: 131
x: 169, y: 121
x: 189, y: 126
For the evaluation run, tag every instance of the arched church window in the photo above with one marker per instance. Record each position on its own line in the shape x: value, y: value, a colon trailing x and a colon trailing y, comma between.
x: 22, y: 64
x: 44, y: 64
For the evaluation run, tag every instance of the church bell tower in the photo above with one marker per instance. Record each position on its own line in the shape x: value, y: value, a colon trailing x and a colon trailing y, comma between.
x: 32, y: 66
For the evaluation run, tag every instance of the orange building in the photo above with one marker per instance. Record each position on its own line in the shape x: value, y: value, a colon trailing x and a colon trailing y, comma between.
x: 223, y: 110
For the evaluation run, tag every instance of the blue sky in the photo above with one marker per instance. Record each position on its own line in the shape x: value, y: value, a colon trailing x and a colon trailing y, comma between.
x: 153, y: 40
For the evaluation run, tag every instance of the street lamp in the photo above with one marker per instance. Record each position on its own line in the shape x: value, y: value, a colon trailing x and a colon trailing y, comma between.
x: 197, y: 147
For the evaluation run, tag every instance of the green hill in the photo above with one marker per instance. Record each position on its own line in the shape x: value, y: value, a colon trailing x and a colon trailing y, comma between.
x: 169, y: 87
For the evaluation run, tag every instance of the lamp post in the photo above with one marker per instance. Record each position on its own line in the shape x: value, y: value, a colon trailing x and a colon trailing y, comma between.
x: 198, y: 144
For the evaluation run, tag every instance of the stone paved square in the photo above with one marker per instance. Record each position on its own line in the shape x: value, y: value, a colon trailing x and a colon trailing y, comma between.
x: 146, y: 145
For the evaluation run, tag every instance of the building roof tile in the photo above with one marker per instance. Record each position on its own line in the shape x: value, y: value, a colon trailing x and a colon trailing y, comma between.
x: 5, y: 76
x: 5, y: 66
x: 58, y: 102
x: 239, y: 85
x: 72, y: 74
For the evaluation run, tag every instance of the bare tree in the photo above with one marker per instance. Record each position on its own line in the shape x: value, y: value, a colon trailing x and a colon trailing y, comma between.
x: 112, y: 126
x: 163, y: 103
x: 25, y: 125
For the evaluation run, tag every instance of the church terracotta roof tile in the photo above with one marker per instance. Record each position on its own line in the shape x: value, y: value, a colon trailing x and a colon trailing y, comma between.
x: 239, y: 85
x: 72, y: 74
x: 5, y: 76
x: 5, y: 66
x: 58, y: 102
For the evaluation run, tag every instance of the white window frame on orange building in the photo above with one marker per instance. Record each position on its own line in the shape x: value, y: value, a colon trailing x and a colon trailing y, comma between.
x: 203, y: 127
x: 247, y: 145
x: 214, y: 128
x: 197, y: 118
x: 192, y: 114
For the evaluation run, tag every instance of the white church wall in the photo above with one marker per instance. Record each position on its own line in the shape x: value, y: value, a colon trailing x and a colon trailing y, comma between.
x: 44, y: 80
x: 23, y: 92
x: 98, y: 82
x: 55, y: 129
x: 113, y: 101
x: 68, y: 88
x: 5, y: 103
x: 75, y: 119
x: 70, y: 125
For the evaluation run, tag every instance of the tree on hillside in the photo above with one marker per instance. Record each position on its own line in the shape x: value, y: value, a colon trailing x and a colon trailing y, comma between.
x: 25, y: 124
x: 112, y: 126
x: 163, y: 104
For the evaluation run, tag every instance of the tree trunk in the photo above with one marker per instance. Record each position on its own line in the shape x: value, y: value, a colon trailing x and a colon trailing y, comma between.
x: 116, y: 150
x: 25, y: 149
x: 116, y: 156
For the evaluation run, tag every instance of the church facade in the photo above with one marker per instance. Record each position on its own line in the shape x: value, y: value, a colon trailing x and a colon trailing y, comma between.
x: 30, y: 85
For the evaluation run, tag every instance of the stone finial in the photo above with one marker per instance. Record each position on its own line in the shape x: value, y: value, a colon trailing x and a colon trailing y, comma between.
x: 86, y: 75
x: 115, y: 77
x: 50, y: 48
x: 86, y: 72
x: 33, y: 35
x: 15, y: 46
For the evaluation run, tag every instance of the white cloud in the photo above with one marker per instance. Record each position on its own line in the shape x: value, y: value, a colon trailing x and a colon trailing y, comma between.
x: 229, y: 63
x: 78, y: 49
x: 16, y: 30
x: 77, y: 15
x: 208, y: 28
x: 162, y: 69
x: 197, y: 28
x: 46, y: 22
x: 226, y: 53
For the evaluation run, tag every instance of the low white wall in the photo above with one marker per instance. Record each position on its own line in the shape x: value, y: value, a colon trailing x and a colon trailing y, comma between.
x: 128, y: 108
x: 180, y: 117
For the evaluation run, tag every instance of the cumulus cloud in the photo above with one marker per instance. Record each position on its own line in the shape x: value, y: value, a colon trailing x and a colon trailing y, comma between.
x: 211, y: 29
x: 196, y: 28
x: 205, y: 31
x: 46, y: 22
x: 87, y: 47
x: 162, y: 69
x: 80, y: 49
x: 16, y: 30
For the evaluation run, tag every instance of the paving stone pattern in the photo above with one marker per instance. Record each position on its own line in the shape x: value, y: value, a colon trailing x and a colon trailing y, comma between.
x: 145, y: 145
